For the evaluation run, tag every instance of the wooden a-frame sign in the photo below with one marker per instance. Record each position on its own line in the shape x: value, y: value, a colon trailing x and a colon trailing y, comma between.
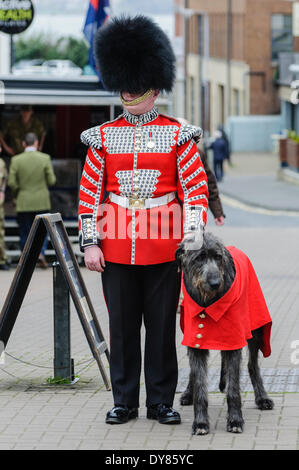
x: 53, y: 225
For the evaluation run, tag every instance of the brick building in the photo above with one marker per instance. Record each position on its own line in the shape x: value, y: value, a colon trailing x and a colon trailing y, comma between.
x: 231, y: 56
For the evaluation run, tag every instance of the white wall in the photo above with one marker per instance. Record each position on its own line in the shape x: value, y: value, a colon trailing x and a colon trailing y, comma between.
x: 253, y: 133
x: 4, y: 53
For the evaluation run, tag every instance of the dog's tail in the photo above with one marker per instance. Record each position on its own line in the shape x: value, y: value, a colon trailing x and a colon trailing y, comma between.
x: 222, y: 383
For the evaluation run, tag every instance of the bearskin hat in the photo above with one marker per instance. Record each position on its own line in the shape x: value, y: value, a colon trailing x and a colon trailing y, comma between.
x: 133, y: 54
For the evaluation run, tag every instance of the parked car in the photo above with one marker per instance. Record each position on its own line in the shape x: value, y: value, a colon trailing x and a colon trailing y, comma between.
x: 29, y: 67
x: 62, y: 67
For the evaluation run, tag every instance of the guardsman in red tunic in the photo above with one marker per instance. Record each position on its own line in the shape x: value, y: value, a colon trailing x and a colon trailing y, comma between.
x: 143, y: 188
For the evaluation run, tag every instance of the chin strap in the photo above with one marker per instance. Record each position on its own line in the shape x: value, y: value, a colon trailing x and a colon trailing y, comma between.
x: 138, y: 100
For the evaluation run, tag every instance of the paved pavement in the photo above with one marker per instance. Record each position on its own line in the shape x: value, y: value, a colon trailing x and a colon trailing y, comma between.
x: 254, y: 179
x: 35, y: 415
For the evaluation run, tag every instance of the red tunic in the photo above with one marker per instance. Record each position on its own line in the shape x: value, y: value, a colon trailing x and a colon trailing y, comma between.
x: 227, y: 323
x: 145, y: 156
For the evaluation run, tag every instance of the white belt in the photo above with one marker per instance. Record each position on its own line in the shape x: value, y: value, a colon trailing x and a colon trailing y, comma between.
x: 133, y: 203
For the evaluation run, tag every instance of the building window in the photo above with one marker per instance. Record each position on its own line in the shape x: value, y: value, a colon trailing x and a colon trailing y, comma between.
x: 205, y: 106
x: 221, y: 104
x: 236, y: 102
x: 281, y: 34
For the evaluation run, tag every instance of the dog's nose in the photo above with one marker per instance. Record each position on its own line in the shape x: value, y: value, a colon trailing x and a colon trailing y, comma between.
x: 214, y: 284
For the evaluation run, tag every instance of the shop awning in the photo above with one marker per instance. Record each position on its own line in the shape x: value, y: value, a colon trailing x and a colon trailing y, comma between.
x: 83, y: 90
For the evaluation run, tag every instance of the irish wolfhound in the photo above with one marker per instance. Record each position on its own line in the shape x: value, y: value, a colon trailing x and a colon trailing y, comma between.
x: 208, y: 274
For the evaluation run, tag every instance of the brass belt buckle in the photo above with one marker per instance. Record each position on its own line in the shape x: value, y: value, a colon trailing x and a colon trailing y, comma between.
x: 136, y: 203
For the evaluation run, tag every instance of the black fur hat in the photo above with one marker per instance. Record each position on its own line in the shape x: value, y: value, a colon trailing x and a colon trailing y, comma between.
x: 133, y: 54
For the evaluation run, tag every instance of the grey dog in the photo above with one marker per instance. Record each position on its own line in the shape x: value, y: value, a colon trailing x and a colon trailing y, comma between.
x: 208, y: 274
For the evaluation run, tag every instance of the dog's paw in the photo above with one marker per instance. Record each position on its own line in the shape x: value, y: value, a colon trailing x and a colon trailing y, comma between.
x: 200, y: 429
x: 186, y: 398
x: 265, y: 404
x: 235, y: 426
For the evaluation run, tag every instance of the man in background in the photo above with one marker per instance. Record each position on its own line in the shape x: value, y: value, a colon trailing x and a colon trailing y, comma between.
x: 220, y: 153
x: 14, y: 132
x: 30, y: 175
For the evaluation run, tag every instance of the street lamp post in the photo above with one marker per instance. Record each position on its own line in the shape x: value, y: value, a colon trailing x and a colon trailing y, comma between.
x: 12, y: 53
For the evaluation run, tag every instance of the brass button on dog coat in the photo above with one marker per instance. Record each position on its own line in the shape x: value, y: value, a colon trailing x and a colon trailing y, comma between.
x: 230, y: 320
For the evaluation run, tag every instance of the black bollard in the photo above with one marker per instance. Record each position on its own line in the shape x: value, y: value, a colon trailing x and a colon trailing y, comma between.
x: 63, y: 364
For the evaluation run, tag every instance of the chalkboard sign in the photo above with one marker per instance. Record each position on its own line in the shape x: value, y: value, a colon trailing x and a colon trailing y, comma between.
x: 15, y: 15
x: 53, y: 225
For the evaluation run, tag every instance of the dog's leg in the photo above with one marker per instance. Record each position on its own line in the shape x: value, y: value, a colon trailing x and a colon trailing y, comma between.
x: 235, y: 420
x: 187, y: 395
x: 198, y: 364
x: 222, y: 383
x: 262, y: 400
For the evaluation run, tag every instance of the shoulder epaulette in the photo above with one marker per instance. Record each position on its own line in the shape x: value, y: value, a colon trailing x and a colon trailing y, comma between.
x: 92, y: 137
x: 187, y: 132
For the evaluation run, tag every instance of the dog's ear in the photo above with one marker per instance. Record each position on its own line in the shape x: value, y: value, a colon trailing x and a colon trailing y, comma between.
x: 178, y: 257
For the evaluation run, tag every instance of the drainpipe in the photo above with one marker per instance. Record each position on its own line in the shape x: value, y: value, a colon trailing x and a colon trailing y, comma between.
x: 228, y: 56
x: 186, y: 45
x: 200, y: 65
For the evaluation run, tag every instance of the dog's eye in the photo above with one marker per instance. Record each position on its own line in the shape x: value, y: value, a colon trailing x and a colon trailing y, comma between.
x: 218, y: 257
x: 201, y: 256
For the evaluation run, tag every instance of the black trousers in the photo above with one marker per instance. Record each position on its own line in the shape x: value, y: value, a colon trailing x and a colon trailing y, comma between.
x: 151, y: 293
x: 218, y: 169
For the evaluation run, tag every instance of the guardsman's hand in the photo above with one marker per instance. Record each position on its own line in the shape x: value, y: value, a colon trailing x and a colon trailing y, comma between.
x: 219, y: 220
x: 94, y: 258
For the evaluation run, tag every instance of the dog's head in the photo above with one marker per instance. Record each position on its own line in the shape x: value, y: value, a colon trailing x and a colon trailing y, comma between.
x: 205, y: 269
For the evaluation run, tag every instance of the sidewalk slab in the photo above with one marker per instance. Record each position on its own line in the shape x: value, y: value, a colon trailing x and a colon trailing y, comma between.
x: 253, y: 179
x: 262, y: 191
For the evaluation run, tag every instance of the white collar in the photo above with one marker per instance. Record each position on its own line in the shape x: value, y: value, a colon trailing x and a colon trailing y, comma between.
x: 142, y: 118
x: 30, y: 149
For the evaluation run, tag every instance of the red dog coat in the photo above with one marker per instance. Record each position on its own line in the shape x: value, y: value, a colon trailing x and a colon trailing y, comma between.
x: 227, y: 323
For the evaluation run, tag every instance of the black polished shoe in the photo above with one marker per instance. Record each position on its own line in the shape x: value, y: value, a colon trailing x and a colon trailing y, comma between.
x: 121, y: 415
x: 164, y: 414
